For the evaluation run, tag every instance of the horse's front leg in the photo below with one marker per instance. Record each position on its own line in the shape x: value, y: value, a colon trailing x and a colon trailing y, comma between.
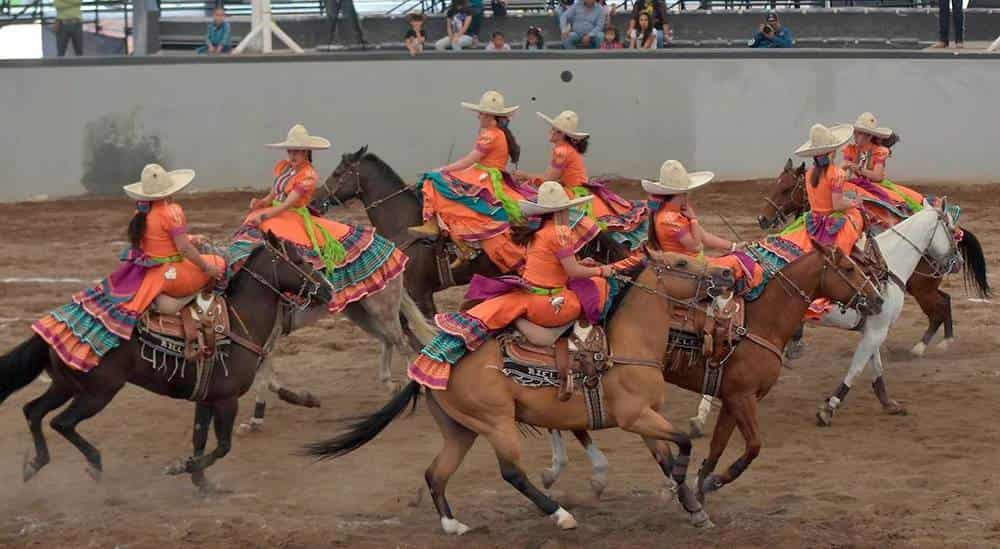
x: 743, y: 412
x: 261, y: 385
x: 889, y: 405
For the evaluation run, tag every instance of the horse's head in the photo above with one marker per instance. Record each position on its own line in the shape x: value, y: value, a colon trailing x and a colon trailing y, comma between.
x: 844, y: 281
x: 280, y: 268
x: 786, y: 199
x: 943, y: 252
x: 343, y: 185
x: 686, y: 277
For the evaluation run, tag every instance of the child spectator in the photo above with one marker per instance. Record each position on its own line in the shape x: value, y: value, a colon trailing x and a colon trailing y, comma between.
x: 643, y: 35
x: 415, y: 35
x: 459, y: 22
x: 498, y: 43
x: 611, y: 39
x: 533, y: 39
x: 218, y: 38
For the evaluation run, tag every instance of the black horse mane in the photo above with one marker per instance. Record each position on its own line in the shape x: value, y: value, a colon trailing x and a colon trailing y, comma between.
x: 624, y: 289
x: 381, y: 165
x: 975, y: 264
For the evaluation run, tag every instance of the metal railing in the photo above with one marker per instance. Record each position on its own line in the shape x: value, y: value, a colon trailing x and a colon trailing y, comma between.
x: 43, y: 11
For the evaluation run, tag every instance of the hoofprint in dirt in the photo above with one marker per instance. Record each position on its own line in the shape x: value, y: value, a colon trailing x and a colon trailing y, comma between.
x: 871, y: 480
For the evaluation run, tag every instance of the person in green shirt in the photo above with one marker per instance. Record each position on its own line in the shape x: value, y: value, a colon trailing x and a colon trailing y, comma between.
x: 69, y: 26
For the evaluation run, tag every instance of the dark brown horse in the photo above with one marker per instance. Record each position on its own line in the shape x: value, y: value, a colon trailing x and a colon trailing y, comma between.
x: 481, y: 400
x: 787, y: 200
x: 254, y: 295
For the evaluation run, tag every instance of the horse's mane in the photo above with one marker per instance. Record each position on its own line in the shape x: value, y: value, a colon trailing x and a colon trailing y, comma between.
x: 623, y: 288
x: 384, y: 168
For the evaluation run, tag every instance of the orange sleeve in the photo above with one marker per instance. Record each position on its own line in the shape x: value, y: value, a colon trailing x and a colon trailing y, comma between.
x: 879, y: 155
x: 674, y: 225
x: 487, y: 140
x: 837, y: 179
x: 851, y: 153
x: 559, y: 158
x: 305, y: 184
x: 585, y: 230
x: 280, y: 167
x: 174, y: 220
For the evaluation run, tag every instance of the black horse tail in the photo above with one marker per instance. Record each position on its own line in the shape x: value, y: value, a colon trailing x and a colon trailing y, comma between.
x: 22, y: 365
x: 365, y: 428
x: 975, y: 264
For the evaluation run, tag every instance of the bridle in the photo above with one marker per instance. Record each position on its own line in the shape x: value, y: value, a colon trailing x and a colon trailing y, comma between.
x: 781, y: 217
x: 354, y: 170
x: 857, y: 301
x: 938, y: 269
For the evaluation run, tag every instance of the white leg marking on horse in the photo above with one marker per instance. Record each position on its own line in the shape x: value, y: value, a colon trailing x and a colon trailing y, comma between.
x: 599, y: 462
x: 946, y: 343
x: 564, y: 520
x: 559, y: 459
x: 452, y: 527
x: 919, y: 349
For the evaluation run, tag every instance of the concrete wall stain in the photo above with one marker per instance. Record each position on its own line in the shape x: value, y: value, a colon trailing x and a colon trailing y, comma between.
x: 115, y: 149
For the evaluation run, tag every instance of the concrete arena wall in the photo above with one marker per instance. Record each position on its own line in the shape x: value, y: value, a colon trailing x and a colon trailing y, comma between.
x: 738, y: 114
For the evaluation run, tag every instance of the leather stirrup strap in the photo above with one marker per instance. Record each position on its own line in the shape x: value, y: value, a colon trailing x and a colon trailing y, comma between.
x: 565, y: 369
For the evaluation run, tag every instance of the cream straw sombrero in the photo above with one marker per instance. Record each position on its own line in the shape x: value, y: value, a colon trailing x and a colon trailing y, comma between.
x: 551, y: 198
x: 867, y: 123
x: 675, y: 179
x: 823, y: 140
x: 299, y: 139
x: 567, y: 122
x: 155, y: 183
x: 491, y: 102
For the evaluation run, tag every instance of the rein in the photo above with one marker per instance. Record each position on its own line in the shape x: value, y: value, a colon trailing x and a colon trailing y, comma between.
x: 938, y: 269
x: 354, y: 169
x: 781, y: 217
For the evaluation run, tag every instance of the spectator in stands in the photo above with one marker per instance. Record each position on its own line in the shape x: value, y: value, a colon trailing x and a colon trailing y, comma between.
x: 657, y: 11
x: 533, y: 39
x: 68, y: 26
x: 498, y: 42
x: 611, y: 39
x: 957, y: 16
x: 499, y: 8
x: 772, y: 34
x: 218, y: 39
x: 459, y: 24
x: 477, y: 10
x: 643, y: 35
x: 583, y: 25
x: 415, y: 35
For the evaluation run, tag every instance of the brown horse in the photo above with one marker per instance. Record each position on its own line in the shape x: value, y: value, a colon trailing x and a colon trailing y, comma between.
x: 481, y: 400
x: 255, y: 295
x: 787, y: 200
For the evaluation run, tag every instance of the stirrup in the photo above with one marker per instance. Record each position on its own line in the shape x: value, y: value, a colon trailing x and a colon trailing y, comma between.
x: 429, y: 229
x: 465, y: 253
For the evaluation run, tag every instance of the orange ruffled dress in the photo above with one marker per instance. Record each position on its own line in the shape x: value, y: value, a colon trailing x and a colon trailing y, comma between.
x: 545, y: 295
x: 355, y: 260
x: 98, y: 319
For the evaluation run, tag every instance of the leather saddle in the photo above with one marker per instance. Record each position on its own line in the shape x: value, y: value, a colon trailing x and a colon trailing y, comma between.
x: 575, y: 351
x: 193, y: 327
x: 711, y: 334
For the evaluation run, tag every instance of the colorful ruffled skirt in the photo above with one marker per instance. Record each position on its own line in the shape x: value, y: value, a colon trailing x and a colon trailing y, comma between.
x: 626, y: 221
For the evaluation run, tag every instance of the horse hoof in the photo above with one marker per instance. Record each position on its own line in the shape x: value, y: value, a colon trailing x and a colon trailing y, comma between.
x: 95, y: 472
x: 597, y: 486
x: 919, y: 349
x: 895, y: 409
x: 549, y: 477
x: 564, y: 520
x: 824, y: 417
x: 310, y: 400
x: 31, y: 467
x: 44, y: 379
x: 178, y: 467
x: 669, y: 491
x: 245, y: 429
x: 701, y: 520
x: 697, y: 427
x: 712, y: 483
x: 452, y: 527
x: 946, y: 343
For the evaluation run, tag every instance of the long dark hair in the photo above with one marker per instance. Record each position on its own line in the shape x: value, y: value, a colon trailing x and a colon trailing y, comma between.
x: 581, y: 145
x: 137, y: 227
x: 643, y: 35
x: 820, y: 165
x: 513, y: 149
x: 522, y: 235
x: 887, y: 142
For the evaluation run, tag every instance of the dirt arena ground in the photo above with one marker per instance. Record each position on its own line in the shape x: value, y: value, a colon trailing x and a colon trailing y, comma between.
x: 928, y: 479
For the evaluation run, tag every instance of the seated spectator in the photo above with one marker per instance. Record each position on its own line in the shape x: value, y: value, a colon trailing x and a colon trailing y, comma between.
x: 583, y: 25
x: 499, y: 8
x: 771, y: 34
x: 459, y: 22
x: 218, y: 38
x: 498, y: 42
x: 415, y: 35
x: 657, y: 11
x: 611, y: 39
x: 533, y: 39
x: 643, y: 36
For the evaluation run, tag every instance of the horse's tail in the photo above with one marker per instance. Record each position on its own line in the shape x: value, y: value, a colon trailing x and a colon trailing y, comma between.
x: 22, y: 365
x: 415, y: 320
x: 975, y: 264
x: 365, y: 428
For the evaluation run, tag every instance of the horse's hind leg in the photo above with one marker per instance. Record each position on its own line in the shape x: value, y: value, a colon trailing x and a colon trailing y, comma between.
x: 949, y: 325
x: 559, y: 459
x: 889, y: 405
x: 83, y: 407
x: 743, y: 411
x: 35, y: 412
x: 506, y: 443
x: 457, y: 441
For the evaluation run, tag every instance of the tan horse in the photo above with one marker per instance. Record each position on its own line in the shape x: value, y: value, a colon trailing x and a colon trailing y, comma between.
x: 481, y: 400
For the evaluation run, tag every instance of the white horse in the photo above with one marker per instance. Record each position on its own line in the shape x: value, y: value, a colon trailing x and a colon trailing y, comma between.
x: 929, y: 232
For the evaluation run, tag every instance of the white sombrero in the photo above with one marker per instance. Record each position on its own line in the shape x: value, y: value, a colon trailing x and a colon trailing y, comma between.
x: 299, y: 139
x: 551, y: 198
x: 823, y: 140
x: 675, y: 179
x: 867, y: 123
x: 567, y: 122
x: 491, y: 102
x: 155, y: 183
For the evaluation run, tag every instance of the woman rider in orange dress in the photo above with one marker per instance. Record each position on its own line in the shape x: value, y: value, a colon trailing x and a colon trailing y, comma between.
x: 865, y: 162
x: 474, y: 198
x: 555, y: 289
x: 614, y: 214
x: 356, y: 261
x: 160, y: 260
